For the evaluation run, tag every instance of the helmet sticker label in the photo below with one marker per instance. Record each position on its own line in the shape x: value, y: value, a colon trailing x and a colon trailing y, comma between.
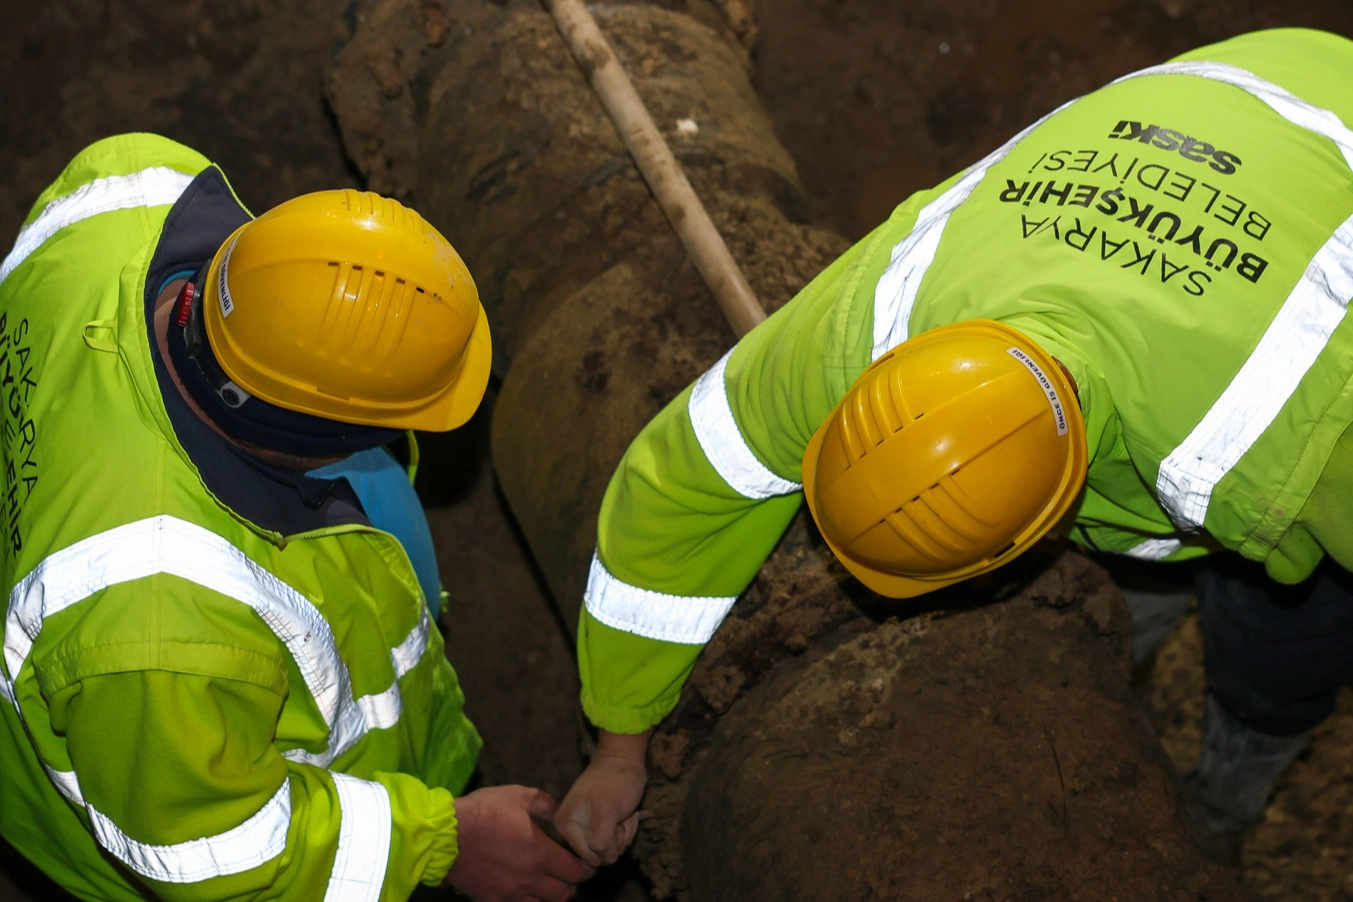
x: 223, y: 292
x: 1058, y: 413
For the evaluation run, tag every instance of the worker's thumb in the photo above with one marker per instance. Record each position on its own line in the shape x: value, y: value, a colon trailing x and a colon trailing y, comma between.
x: 542, y: 806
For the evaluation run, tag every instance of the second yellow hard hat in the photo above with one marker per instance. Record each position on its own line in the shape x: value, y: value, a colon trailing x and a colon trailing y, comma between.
x: 948, y: 457
x: 349, y: 306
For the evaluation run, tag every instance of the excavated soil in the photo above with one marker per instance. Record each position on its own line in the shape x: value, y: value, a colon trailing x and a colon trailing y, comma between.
x: 1303, y: 849
x: 912, y: 742
x: 873, y: 99
x: 890, y: 754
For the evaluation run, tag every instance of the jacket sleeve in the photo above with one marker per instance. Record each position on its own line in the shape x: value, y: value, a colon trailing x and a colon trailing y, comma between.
x: 182, y: 785
x: 707, y: 488
x: 1323, y: 525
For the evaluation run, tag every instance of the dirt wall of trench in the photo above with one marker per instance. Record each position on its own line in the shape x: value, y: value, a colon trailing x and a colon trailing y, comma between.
x: 599, y: 319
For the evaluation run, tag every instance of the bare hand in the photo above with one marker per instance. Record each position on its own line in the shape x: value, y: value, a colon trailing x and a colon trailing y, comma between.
x: 504, y: 856
x: 598, y: 816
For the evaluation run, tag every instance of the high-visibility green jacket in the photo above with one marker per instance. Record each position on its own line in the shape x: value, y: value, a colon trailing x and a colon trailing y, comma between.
x: 193, y: 707
x: 1180, y: 239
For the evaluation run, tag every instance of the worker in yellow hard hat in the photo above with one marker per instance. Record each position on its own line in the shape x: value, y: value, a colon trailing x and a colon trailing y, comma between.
x: 222, y: 672
x: 1130, y: 333
x: 362, y: 314
x: 949, y: 456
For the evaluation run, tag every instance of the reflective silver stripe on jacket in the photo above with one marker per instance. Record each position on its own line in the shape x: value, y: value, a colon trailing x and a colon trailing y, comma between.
x: 723, y: 443
x: 684, y: 619
x: 383, y: 709
x: 165, y: 544
x: 1154, y: 549
x: 259, y: 839
x: 1283, y: 102
x: 153, y: 187
x: 66, y: 783
x: 358, y: 874
x: 1290, y: 344
x: 363, y: 841
x: 1263, y: 385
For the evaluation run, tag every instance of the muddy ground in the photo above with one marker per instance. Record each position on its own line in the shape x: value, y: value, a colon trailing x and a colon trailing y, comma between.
x: 873, y: 98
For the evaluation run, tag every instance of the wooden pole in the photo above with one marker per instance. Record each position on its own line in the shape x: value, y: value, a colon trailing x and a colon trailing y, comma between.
x: 660, y: 169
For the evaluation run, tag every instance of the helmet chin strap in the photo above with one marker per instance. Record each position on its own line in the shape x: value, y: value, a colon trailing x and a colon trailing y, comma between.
x: 239, y: 413
x: 188, y: 315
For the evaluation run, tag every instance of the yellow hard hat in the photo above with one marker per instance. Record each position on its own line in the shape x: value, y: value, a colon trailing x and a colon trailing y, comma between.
x: 948, y: 457
x: 349, y: 306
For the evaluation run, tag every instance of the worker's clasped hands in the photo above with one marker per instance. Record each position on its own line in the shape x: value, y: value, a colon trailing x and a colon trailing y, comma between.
x: 504, y: 855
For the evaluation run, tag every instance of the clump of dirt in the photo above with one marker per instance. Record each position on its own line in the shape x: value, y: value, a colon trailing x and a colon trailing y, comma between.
x: 757, y: 793
x: 907, y: 763
x: 1303, y: 849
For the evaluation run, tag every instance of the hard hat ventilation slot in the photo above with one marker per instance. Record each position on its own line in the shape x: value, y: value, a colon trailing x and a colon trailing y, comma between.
x: 909, y: 527
x: 949, y: 506
x: 1004, y: 550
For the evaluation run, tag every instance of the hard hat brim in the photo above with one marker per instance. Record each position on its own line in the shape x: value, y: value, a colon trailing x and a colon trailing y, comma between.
x: 461, y: 399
